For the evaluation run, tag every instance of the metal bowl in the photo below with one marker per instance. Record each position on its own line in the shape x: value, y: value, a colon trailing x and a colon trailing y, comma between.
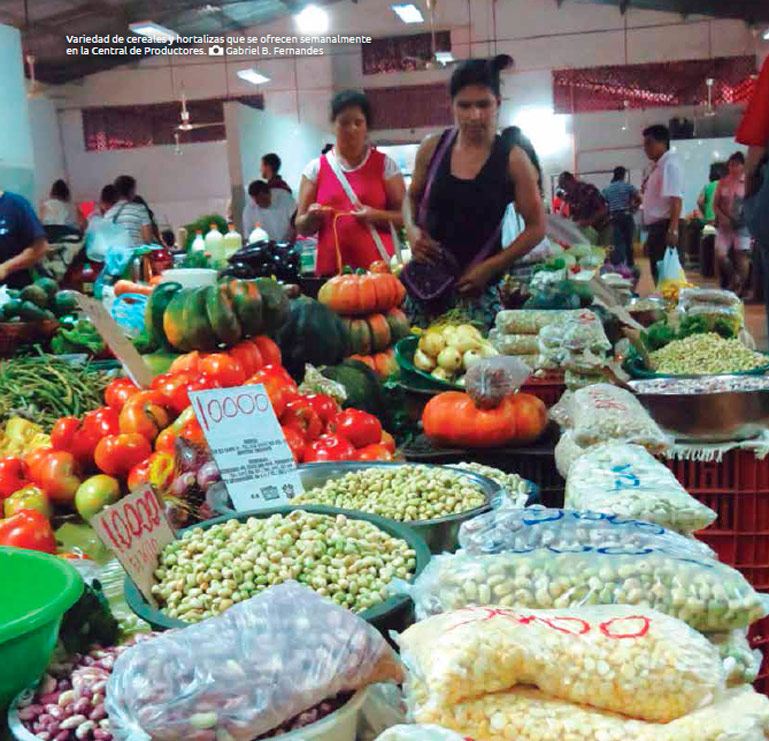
x: 394, y: 613
x: 440, y: 534
x: 719, y: 416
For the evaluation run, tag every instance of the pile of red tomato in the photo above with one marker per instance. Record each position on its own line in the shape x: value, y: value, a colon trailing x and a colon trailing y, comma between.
x: 131, y: 440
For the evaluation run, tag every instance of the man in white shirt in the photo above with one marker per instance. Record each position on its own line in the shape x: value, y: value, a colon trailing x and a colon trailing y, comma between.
x: 663, y: 193
x: 133, y: 217
x: 272, y: 209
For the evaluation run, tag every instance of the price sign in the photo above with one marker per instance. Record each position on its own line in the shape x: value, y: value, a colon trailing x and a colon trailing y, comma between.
x: 246, y: 440
x: 136, y: 530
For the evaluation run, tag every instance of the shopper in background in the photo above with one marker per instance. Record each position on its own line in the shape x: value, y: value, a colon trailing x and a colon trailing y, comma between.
x: 134, y: 217
x: 663, y: 193
x: 59, y: 210
x: 22, y: 240
x: 272, y: 209
x: 587, y: 207
x: 270, y: 168
x: 353, y: 193
x: 623, y: 201
x: 705, y: 202
x: 153, y: 224
x: 728, y: 206
x: 108, y: 198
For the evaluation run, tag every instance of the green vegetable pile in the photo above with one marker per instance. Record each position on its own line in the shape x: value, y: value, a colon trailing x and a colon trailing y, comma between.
x: 37, y: 302
x: 706, y: 354
x: 661, y: 333
x: 77, y: 337
x: 566, y: 294
x: 42, y: 389
x: 405, y: 493
x: 349, y: 561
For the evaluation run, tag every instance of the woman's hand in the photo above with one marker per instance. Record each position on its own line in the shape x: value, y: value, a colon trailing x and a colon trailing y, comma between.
x: 473, y: 281
x: 366, y: 214
x: 423, y: 247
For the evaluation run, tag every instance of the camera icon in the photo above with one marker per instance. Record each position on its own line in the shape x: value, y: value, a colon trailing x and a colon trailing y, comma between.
x: 216, y: 51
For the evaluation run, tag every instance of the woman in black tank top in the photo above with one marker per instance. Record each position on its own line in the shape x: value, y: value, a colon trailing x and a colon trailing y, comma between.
x: 462, y: 184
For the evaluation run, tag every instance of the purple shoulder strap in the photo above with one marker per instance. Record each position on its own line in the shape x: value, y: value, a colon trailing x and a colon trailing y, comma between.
x: 446, y: 140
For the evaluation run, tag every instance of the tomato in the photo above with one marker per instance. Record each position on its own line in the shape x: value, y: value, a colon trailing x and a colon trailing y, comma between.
x: 32, y: 459
x: 63, y: 432
x: 28, y: 529
x: 225, y: 370
x: 57, y: 475
x: 329, y: 448
x: 273, y: 370
x: 11, y: 476
x: 530, y: 417
x: 165, y: 441
x: 30, y: 497
x: 375, y: 452
x: 119, y: 392
x: 269, y: 351
x: 96, y: 493
x: 157, y: 471
x: 116, y: 455
x: 277, y: 389
x: 146, y: 417
x: 300, y: 416
x: 325, y: 406
x: 176, y: 387
x: 295, y: 442
x: 359, y: 427
x: 192, y: 432
x: 189, y: 363
x: 388, y: 441
x: 248, y: 355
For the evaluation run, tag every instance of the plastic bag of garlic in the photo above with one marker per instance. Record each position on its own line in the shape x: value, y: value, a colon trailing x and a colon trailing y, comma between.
x: 525, y: 714
x: 628, y: 660
x: 419, y: 732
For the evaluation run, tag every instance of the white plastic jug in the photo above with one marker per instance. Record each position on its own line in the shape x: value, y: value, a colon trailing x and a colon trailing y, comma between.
x: 258, y: 234
x: 215, y: 245
x: 198, y: 244
x: 232, y: 242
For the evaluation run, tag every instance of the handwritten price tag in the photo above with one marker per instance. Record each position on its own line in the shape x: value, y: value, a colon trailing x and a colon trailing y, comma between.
x: 136, y: 530
x: 247, y: 443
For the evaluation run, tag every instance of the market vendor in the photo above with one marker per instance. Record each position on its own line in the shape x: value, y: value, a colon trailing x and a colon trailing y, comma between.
x: 352, y: 195
x: 22, y: 240
x: 463, y: 181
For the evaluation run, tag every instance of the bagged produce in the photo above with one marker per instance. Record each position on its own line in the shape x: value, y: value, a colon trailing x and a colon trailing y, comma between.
x: 517, y: 489
x: 529, y: 321
x: 625, y: 480
x: 603, y: 413
x: 690, y: 297
x: 525, y: 714
x: 421, y: 733
x: 513, y: 529
x: 627, y: 659
x: 516, y: 344
x: 741, y: 663
x: 706, y: 594
x: 247, y: 672
x: 490, y: 380
x: 566, y: 452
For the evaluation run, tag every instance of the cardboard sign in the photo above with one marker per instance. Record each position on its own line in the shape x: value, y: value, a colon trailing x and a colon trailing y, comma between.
x: 116, y: 340
x: 247, y: 443
x: 136, y: 530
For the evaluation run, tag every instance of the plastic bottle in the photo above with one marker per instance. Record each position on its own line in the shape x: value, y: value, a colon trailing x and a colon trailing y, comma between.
x: 215, y: 245
x: 258, y: 235
x: 88, y: 277
x: 232, y: 242
x: 198, y: 244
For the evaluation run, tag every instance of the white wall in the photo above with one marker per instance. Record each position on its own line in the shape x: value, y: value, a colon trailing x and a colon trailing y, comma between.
x: 46, y: 143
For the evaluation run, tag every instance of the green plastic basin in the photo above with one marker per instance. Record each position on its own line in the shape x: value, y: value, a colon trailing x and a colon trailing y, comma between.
x: 35, y: 591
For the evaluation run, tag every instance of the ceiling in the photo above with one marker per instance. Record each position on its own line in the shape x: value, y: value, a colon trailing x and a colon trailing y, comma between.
x: 751, y: 11
x: 46, y: 23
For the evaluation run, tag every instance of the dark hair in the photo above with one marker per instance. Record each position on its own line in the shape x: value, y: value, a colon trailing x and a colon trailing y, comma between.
x: 480, y: 72
x: 108, y: 195
x: 258, y: 187
x: 272, y: 160
x: 566, y: 177
x: 60, y: 190
x: 153, y: 223
x: 168, y: 237
x: 659, y: 133
x: 327, y: 148
x: 717, y: 170
x: 619, y: 173
x: 351, y: 99
x: 512, y: 136
x: 737, y: 157
x: 125, y: 186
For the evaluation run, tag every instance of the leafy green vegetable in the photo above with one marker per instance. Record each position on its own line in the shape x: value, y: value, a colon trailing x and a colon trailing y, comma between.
x: 692, y: 325
x: 89, y: 621
x: 658, y: 335
x: 80, y: 337
x: 725, y: 328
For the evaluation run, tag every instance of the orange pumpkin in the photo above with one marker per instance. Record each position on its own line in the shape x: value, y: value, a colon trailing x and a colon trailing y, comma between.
x: 369, y: 334
x: 357, y: 294
x: 383, y: 364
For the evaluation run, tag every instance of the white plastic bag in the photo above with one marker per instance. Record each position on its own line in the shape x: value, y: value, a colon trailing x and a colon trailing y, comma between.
x: 566, y: 452
x: 669, y: 267
x: 420, y: 732
x: 246, y: 672
x: 741, y: 662
x: 625, y: 480
x: 491, y: 380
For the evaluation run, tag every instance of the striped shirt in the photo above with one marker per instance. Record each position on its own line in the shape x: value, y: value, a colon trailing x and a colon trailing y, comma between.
x: 132, y: 216
x: 619, y: 195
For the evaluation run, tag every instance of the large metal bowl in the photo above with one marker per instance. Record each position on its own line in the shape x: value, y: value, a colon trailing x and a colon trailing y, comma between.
x: 708, y: 417
x: 441, y: 534
x: 395, y: 613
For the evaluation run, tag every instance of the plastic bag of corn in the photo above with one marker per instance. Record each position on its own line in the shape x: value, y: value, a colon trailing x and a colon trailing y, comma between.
x: 525, y: 714
x: 741, y: 662
x: 625, y: 480
x: 629, y: 660
x: 419, y: 732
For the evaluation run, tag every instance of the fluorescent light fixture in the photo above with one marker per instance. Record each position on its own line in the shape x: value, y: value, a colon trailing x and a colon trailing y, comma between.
x: 154, y: 31
x: 546, y: 130
x: 312, y: 20
x: 444, y: 57
x: 408, y: 13
x: 252, y: 76
x: 766, y: 35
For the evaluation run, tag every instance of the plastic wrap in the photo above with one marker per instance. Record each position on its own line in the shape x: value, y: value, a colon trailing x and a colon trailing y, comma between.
x: 706, y: 594
x: 517, y: 489
x: 626, y: 659
x: 384, y: 708
x: 421, y: 732
x: 525, y: 714
x: 625, y: 480
x: 246, y: 672
x: 566, y: 452
x: 603, y: 413
x: 741, y: 662
x: 491, y: 380
x: 690, y: 297
x: 530, y: 321
x: 516, y: 344
x: 585, y: 332
x: 578, y: 379
x: 535, y: 527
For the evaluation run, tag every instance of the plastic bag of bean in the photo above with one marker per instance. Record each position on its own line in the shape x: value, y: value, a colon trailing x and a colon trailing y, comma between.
x: 706, y: 594
x: 622, y: 658
x: 603, y: 413
x: 491, y: 380
x: 624, y: 480
x: 420, y: 732
x: 566, y: 452
x: 741, y: 662
x: 516, y: 344
x: 525, y: 714
x: 246, y: 672
x: 529, y: 321
x: 513, y: 529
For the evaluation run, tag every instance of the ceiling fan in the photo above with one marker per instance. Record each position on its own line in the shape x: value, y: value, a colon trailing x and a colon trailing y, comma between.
x: 185, y: 123
x: 437, y: 59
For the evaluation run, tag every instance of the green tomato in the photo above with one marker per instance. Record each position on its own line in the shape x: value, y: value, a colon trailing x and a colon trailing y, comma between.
x: 96, y: 493
x: 30, y: 497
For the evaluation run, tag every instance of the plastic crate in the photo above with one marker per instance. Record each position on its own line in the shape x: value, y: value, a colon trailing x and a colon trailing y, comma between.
x: 758, y: 637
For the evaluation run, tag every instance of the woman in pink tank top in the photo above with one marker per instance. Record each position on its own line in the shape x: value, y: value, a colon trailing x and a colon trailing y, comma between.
x: 362, y: 221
